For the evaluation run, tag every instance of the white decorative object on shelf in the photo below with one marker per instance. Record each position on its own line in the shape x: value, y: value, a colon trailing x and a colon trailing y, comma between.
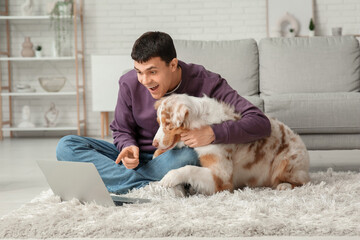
x: 27, y: 8
x: 302, y: 10
x: 26, y: 116
x: 24, y: 88
x: 38, y: 51
x: 50, y: 6
x: 52, y: 84
x: 286, y: 23
x: 51, y: 115
x: 336, y: 31
x: 291, y: 33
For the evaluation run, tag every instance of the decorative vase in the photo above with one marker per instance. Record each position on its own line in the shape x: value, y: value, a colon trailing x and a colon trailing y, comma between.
x: 38, y: 54
x: 27, y: 50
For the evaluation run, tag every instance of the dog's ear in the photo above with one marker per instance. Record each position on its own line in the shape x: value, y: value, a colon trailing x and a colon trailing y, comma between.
x: 158, y: 103
x: 181, y: 115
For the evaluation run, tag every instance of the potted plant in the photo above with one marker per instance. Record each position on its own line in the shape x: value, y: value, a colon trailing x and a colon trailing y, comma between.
x: 311, y: 28
x: 38, y: 51
x: 292, y: 32
x: 62, y: 24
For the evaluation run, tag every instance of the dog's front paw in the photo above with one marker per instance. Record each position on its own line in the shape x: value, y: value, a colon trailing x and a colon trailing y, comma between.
x: 284, y: 186
x: 171, y: 179
x: 158, y: 152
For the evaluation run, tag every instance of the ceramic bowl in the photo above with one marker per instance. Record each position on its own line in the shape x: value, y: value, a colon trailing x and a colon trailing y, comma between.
x: 52, y: 84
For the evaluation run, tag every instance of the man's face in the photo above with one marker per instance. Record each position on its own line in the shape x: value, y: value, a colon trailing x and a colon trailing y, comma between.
x: 156, y: 76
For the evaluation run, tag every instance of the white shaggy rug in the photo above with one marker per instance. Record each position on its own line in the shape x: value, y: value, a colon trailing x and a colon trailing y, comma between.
x: 329, y: 205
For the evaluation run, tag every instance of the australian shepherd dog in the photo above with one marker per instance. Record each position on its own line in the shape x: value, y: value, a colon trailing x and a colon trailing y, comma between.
x: 279, y: 161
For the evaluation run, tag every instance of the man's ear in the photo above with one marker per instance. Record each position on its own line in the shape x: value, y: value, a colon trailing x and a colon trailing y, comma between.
x: 174, y: 64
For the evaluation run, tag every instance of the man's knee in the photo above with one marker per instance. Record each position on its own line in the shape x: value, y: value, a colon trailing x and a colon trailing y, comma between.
x: 65, y: 145
x: 187, y: 156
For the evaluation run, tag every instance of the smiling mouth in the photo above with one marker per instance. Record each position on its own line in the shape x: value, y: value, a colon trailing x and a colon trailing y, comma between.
x: 154, y: 88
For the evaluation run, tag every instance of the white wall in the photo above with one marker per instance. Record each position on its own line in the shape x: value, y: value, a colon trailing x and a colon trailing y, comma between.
x: 111, y: 27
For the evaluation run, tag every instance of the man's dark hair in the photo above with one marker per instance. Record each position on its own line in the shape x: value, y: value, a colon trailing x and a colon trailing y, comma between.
x: 153, y: 44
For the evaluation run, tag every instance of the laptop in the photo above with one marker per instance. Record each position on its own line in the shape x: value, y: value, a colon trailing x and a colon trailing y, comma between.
x: 81, y: 181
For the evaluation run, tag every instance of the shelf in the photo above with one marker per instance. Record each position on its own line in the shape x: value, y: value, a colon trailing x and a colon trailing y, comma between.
x: 40, y: 94
x: 37, y: 59
x: 24, y: 17
x: 60, y: 128
x: 42, y: 17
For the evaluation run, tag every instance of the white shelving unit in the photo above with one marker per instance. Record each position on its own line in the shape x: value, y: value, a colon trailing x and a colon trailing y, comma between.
x: 78, y: 60
x: 46, y: 17
x: 42, y: 94
x: 22, y: 59
x: 59, y: 128
x: 24, y: 17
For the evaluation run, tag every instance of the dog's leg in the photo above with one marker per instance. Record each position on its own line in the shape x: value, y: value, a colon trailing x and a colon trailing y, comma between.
x: 200, y: 178
x: 158, y: 152
x: 288, y: 175
x: 221, y: 167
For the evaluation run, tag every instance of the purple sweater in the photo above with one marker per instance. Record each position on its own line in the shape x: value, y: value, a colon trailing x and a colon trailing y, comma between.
x: 135, y: 117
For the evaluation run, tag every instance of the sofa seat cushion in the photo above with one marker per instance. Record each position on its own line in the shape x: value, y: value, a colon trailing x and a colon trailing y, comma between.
x: 317, y: 112
x: 237, y: 61
x: 331, y: 141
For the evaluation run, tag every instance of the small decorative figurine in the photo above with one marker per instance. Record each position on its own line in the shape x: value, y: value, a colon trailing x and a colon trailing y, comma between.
x: 26, y: 116
x: 27, y: 8
x: 51, y: 115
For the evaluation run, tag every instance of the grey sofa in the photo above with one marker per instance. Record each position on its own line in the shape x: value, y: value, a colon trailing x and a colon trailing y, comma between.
x: 311, y: 84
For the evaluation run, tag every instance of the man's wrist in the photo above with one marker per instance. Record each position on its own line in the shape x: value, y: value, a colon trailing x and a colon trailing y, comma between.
x: 212, y: 134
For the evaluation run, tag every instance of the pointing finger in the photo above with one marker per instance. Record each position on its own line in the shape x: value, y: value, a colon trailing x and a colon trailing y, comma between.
x: 118, y: 159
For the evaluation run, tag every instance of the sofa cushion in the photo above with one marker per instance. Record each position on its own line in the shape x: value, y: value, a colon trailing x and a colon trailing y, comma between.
x: 331, y: 141
x: 256, y: 100
x: 317, y: 112
x: 309, y: 65
x: 237, y: 61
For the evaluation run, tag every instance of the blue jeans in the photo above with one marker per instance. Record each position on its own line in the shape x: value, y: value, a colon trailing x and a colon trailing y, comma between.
x: 117, y: 178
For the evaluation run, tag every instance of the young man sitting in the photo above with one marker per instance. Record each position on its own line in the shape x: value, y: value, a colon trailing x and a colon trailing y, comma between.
x: 128, y: 162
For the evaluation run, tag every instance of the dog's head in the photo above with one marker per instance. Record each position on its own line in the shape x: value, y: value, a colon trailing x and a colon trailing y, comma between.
x: 172, y: 116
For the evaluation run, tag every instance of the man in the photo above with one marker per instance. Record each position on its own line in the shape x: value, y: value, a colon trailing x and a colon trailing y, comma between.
x: 128, y: 162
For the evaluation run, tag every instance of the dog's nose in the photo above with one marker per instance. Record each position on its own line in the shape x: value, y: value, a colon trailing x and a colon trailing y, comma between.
x: 155, y: 143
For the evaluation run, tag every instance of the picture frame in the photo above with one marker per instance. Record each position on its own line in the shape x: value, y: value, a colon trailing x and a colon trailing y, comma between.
x: 284, y: 15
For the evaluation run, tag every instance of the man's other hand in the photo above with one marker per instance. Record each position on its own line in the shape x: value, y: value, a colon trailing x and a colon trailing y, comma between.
x: 129, y: 157
x: 198, y: 137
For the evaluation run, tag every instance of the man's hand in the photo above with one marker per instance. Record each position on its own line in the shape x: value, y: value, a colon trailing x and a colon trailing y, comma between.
x: 129, y: 156
x: 198, y: 137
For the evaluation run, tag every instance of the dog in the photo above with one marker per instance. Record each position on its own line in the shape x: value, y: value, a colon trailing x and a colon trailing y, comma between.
x: 280, y: 161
